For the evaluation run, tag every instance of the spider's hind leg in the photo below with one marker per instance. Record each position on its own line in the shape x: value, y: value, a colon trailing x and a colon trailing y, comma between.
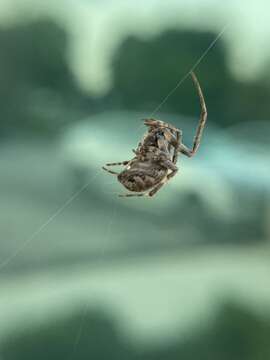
x: 130, y: 194
x: 110, y: 171
x: 115, y: 164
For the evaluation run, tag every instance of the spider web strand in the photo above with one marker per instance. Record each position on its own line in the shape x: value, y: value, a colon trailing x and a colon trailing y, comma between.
x: 46, y: 223
x: 192, y: 69
x: 102, y: 251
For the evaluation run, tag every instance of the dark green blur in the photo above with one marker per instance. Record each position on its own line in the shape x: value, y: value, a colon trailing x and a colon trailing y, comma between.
x: 227, y: 218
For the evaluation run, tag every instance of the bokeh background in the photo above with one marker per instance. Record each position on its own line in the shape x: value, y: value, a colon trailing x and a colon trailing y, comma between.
x: 87, y: 275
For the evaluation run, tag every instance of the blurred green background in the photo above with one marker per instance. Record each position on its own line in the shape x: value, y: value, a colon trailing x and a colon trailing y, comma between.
x: 87, y: 275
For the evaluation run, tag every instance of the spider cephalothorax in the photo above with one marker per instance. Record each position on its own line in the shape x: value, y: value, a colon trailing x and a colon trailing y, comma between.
x: 156, y: 155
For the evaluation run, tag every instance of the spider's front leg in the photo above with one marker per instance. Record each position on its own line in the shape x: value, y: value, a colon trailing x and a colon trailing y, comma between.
x: 196, y: 142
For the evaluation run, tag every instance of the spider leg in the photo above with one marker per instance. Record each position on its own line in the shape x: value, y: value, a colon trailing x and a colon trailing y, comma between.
x: 172, y: 141
x: 151, y: 193
x: 159, y: 124
x: 130, y: 194
x: 175, y: 142
x: 156, y: 189
x: 185, y: 150
x: 176, y: 148
x: 170, y: 166
x: 109, y: 171
x: 196, y: 142
x: 118, y: 163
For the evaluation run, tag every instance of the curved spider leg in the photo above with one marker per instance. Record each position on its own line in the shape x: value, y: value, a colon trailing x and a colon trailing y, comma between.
x: 196, y: 142
x: 109, y: 171
x: 183, y: 149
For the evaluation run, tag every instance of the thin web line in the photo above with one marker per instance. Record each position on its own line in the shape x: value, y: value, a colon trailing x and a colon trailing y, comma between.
x: 46, y: 223
x: 106, y: 240
x: 80, y: 331
x: 192, y: 69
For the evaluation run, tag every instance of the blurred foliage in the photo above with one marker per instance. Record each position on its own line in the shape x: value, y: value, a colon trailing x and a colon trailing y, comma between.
x: 235, y: 334
x: 79, y: 337
x: 145, y: 71
x: 37, y: 89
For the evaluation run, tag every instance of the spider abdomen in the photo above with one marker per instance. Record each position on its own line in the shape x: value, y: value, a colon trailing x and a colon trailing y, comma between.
x: 141, y: 180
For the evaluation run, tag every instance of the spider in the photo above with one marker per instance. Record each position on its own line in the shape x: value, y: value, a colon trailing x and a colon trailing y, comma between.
x: 156, y: 156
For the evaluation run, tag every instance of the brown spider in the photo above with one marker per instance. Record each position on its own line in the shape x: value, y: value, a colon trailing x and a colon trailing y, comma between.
x: 156, y: 156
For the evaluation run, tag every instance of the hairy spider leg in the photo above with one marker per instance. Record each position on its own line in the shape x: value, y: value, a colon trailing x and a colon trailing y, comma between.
x: 174, y: 141
x: 110, y: 171
x: 203, y: 116
x: 170, y: 166
x: 130, y: 194
x: 176, y: 148
x: 156, y: 189
x: 118, y: 163
x: 159, y: 124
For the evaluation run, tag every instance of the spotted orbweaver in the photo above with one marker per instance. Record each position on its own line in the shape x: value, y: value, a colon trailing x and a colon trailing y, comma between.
x: 156, y: 156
